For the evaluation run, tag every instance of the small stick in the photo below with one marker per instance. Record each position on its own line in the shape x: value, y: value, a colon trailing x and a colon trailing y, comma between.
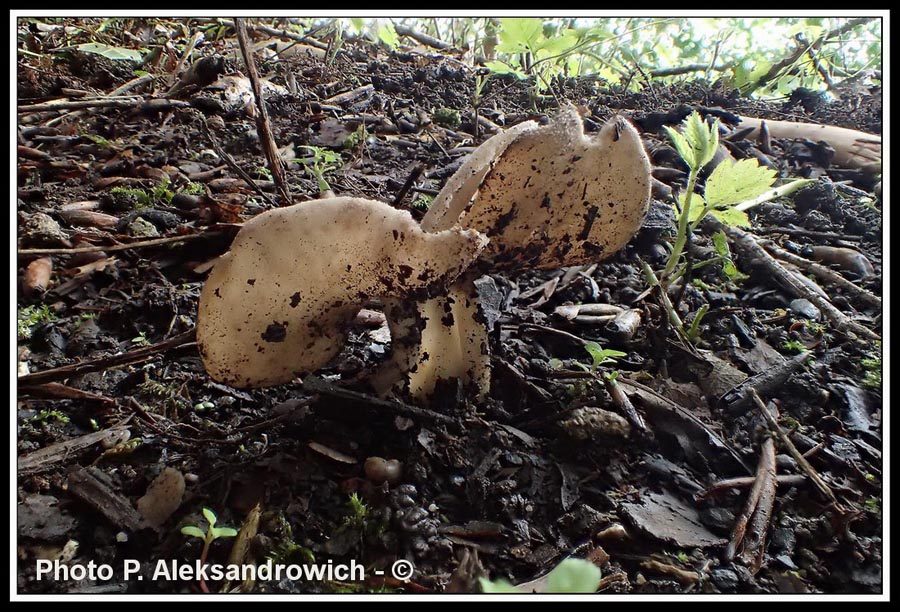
x: 263, y: 127
x: 229, y: 161
x: 621, y: 400
x: 103, y: 363
x: 745, y: 481
x: 419, y: 37
x: 105, y: 102
x: 808, y: 469
x: 826, y: 274
x: 751, y: 249
x: 416, y: 171
x: 116, y: 247
x: 765, y: 480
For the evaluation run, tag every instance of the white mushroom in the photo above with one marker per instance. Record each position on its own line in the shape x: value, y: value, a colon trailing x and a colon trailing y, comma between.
x: 546, y: 197
x: 278, y: 304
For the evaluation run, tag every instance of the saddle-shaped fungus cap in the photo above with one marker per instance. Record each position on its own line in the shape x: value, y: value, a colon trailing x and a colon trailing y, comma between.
x: 547, y: 197
x: 278, y: 304
x: 556, y: 196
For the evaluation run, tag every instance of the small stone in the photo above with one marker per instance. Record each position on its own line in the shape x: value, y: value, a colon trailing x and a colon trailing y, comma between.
x: 42, y: 230
x: 805, y: 309
x: 139, y: 228
x: 724, y: 579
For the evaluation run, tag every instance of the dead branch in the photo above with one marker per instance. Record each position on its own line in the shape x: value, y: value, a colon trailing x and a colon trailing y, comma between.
x: 808, y: 469
x: 117, y: 247
x: 852, y: 148
x: 826, y: 274
x: 750, y: 249
x: 765, y: 479
x: 263, y: 127
x: 103, y: 363
x: 419, y: 37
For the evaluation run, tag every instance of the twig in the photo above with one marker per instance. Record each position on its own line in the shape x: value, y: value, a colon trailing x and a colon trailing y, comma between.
x: 752, y: 251
x: 263, y: 127
x: 229, y: 161
x: 126, y: 102
x: 104, y: 363
x: 413, y: 175
x: 117, y: 247
x: 743, y: 482
x: 679, y: 70
x: 765, y: 382
x: 621, y: 400
x: 826, y: 274
x: 314, y: 384
x: 419, y: 37
x: 808, y: 469
x: 312, y: 42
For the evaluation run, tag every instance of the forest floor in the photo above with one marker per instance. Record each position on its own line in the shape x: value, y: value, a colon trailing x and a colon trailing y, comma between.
x: 113, y: 395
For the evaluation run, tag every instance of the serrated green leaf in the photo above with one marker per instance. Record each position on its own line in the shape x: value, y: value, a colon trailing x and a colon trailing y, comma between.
x: 193, y: 531
x: 704, y: 139
x: 732, y: 217
x: 210, y: 517
x: 574, y: 576
x: 223, y: 532
x: 559, y: 43
x: 681, y: 144
x: 519, y: 34
x: 497, y: 586
x: 735, y: 182
x: 112, y: 53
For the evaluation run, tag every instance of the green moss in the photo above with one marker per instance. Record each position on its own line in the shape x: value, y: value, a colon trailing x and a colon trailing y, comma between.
x: 31, y: 317
x: 446, y: 117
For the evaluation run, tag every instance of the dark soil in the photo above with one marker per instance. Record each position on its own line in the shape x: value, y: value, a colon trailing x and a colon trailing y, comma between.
x: 504, y: 488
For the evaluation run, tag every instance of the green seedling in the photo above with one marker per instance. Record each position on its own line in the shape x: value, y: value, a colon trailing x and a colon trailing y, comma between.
x: 359, y: 136
x: 359, y: 513
x: 422, y: 202
x: 872, y: 375
x: 320, y: 163
x: 212, y: 534
x: 45, y: 415
x: 601, y: 356
x: 793, y: 346
x: 194, y: 189
x: 693, y: 332
x: 446, y: 117
x: 570, y: 576
x: 30, y: 317
x: 141, y: 339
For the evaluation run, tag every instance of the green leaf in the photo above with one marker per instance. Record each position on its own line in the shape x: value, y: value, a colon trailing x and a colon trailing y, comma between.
x: 685, y: 151
x: 499, y: 67
x: 600, y: 355
x: 735, y: 182
x: 192, y: 530
x: 223, y: 532
x: 720, y: 242
x: 388, y: 36
x: 210, y: 517
x: 732, y: 216
x: 112, y: 53
x: 497, y: 586
x: 574, y: 576
x: 704, y: 139
x: 519, y: 34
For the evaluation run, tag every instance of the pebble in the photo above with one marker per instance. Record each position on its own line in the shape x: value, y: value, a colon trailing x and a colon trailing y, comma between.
x: 139, y: 228
x: 724, y: 579
x: 805, y: 309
